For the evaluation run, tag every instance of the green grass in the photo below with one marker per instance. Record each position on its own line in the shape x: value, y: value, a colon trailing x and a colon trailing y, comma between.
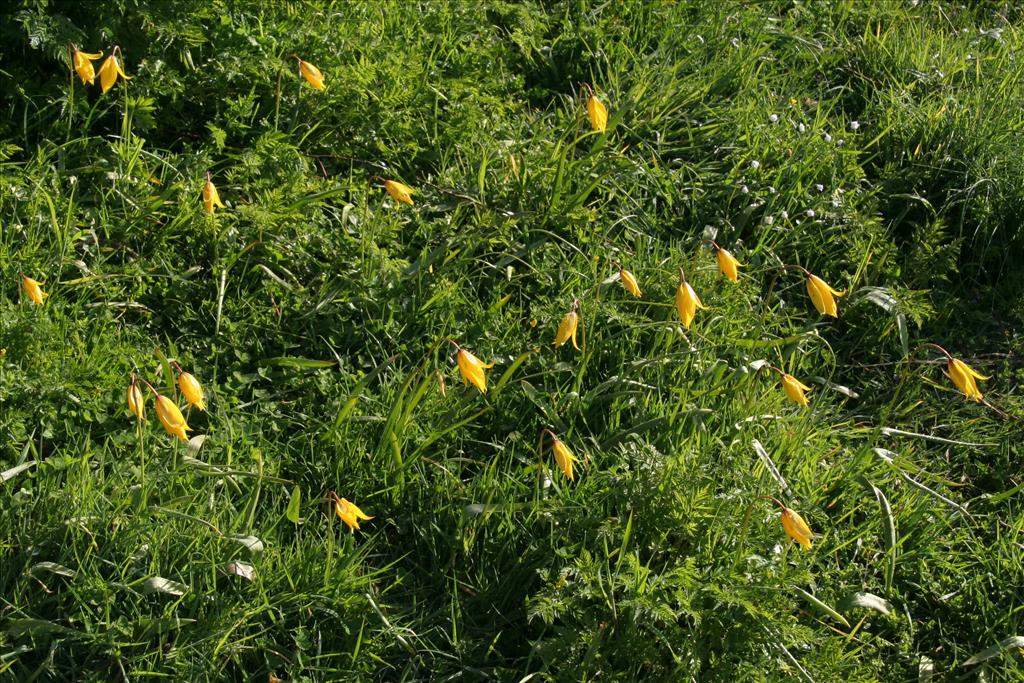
x: 315, y: 311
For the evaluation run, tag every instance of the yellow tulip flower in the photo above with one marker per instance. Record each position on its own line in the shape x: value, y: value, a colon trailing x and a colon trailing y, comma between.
x: 472, y: 369
x: 567, y: 328
x: 597, y: 112
x: 33, y: 289
x: 728, y: 264
x: 399, y: 191
x: 171, y: 418
x: 629, y: 282
x: 349, y: 512
x: 82, y: 62
x: 563, y: 456
x: 822, y: 296
x: 964, y: 376
x: 211, y: 197
x: 687, y: 301
x: 191, y: 389
x: 110, y: 70
x: 796, y: 528
x: 136, y: 404
x: 795, y: 389
x: 311, y: 74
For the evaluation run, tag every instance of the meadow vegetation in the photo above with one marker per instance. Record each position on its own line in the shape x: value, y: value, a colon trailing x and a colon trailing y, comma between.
x: 876, y: 144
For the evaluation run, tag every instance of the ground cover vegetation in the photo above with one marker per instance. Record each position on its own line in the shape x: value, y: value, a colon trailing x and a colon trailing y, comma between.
x: 313, y: 227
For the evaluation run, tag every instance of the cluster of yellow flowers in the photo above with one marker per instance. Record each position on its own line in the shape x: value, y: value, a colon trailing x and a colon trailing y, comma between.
x: 167, y: 410
x: 471, y: 368
x: 109, y: 70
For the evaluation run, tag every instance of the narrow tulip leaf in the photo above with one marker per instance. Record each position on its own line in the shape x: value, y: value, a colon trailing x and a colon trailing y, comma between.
x: 149, y: 627
x: 901, y: 325
x: 880, y: 296
x: 1011, y: 643
x: 925, y: 670
x: 196, y: 442
x: 184, y: 515
x: 865, y: 601
x: 772, y: 469
x: 477, y: 509
x: 839, y: 388
x: 251, y: 543
x: 7, y: 475
x: 159, y: 584
x: 887, y: 457
x: 22, y: 627
x: 243, y: 570
x: 539, y: 400
x: 292, y: 513
x: 168, y: 373
x: 889, y: 431
x: 888, y: 535
x: 507, y: 375
x: 626, y: 537
x: 822, y: 606
x: 298, y: 363
x: 350, y: 404
x: 51, y: 568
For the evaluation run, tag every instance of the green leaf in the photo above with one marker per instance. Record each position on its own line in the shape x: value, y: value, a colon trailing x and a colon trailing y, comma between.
x: 298, y: 363
x: 822, y: 606
x: 292, y: 513
x: 865, y: 601
x: 159, y: 584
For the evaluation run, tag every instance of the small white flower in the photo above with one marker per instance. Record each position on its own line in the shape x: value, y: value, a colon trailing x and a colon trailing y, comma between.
x: 810, y: 213
x: 771, y: 190
x: 769, y: 220
x: 828, y: 138
x: 754, y: 163
x: 785, y: 214
x: 854, y: 125
x: 802, y: 128
x: 840, y: 142
x: 773, y: 118
x: 745, y: 190
x: 819, y: 187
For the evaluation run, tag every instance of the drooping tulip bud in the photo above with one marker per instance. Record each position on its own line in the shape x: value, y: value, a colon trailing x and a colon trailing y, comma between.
x: 311, y: 74
x: 687, y: 301
x: 33, y: 289
x: 110, y: 70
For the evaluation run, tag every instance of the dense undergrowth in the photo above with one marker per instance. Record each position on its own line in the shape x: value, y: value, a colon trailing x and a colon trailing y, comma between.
x: 876, y: 144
